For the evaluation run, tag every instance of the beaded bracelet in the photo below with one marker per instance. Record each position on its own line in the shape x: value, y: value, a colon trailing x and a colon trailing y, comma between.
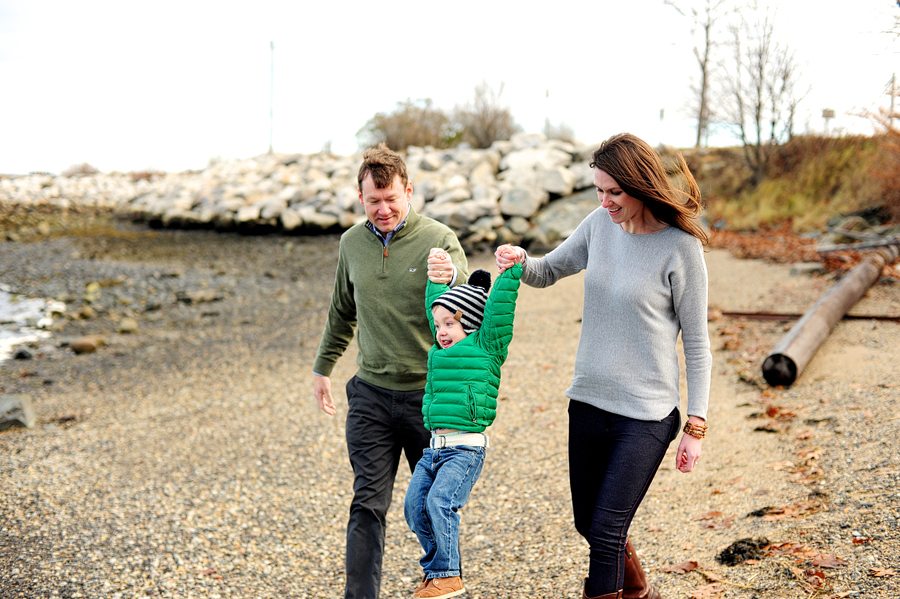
x: 695, y: 430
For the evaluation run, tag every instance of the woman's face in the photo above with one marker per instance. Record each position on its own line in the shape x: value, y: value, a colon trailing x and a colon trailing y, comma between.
x: 624, y: 210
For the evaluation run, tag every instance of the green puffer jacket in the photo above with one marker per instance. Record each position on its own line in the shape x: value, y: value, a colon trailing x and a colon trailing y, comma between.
x: 464, y: 379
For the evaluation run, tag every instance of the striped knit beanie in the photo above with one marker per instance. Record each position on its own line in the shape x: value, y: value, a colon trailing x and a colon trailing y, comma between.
x: 467, y: 301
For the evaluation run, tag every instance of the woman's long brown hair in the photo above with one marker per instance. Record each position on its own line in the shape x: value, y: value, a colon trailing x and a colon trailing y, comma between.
x: 638, y: 170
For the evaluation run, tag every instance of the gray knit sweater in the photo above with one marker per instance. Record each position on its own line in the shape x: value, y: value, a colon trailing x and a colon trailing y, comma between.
x: 639, y: 292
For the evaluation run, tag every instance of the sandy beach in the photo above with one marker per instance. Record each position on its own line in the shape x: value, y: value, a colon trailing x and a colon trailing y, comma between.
x: 188, y: 458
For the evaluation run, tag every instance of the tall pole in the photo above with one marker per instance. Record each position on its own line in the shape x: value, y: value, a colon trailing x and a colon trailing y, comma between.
x: 893, y: 95
x: 271, y: 95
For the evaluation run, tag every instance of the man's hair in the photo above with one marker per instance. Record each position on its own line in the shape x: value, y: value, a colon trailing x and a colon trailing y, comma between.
x: 384, y: 164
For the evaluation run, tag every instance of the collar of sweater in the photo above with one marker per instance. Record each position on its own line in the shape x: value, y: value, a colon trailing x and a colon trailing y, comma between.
x: 408, y: 224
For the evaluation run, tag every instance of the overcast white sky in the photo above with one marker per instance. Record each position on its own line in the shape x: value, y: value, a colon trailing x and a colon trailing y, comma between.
x: 170, y: 84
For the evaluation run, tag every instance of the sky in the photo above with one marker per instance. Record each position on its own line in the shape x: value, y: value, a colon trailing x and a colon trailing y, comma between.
x: 171, y: 85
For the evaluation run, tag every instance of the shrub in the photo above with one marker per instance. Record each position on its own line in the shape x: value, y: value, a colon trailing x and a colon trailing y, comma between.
x: 483, y: 119
x: 79, y: 170
x: 145, y: 175
x: 412, y: 123
x: 560, y: 131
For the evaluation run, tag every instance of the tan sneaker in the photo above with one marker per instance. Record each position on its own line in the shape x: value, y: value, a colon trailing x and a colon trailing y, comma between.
x: 422, y: 585
x: 441, y: 588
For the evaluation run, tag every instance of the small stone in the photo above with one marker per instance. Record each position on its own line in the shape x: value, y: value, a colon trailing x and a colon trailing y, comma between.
x: 23, y: 353
x: 87, y: 344
x: 128, y: 325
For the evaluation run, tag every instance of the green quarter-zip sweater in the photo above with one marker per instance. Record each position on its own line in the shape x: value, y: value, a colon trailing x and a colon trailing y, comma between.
x: 379, y: 291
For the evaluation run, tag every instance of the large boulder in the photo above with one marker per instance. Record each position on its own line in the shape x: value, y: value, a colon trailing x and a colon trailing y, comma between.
x: 559, y: 219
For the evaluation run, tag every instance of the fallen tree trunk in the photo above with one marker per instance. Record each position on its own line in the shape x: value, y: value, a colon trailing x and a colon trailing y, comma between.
x: 791, y: 355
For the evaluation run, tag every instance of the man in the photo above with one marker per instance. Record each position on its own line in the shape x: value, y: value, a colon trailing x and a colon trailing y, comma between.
x: 379, y: 290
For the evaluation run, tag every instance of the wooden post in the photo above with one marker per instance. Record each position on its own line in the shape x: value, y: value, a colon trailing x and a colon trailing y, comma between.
x: 791, y: 355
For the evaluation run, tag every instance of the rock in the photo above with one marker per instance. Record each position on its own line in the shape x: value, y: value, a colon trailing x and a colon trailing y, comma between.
x: 523, y: 202
x: 558, y: 180
x: 87, y: 344
x: 23, y: 353
x: 535, y: 158
x: 128, y: 325
x: 316, y: 192
x: 583, y: 173
x: 430, y: 162
x: 742, y: 550
x: 92, y: 292
x: 290, y: 220
x: 316, y: 219
x: 199, y: 296
x: 16, y: 410
x: 807, y: 268
x: 455, y: 194
x: 560, y: 219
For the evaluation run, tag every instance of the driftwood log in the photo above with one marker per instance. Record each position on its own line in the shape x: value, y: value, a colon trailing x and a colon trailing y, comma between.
x: 791, y: 355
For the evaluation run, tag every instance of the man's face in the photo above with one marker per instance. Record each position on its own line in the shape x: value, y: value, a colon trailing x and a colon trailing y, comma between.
x: 385, y: 207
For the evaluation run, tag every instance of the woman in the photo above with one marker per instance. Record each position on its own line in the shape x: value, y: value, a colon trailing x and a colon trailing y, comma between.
x: 645, y: 281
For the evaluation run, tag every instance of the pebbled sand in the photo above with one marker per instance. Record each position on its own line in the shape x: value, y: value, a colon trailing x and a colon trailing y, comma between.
x: 190, y: 459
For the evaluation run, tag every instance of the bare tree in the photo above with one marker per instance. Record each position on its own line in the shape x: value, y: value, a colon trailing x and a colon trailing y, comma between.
x: 704, y: 19
x: 484, y: 119
x: 760, y: 95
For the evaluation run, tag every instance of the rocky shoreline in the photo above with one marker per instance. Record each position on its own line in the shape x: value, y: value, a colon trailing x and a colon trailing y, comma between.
x: 519, y: 190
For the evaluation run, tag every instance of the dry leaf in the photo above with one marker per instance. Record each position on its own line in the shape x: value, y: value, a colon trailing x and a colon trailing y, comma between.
x: 810, y: 454
x: 710, y: 591
x: 814, y: 577
x: 791, y: 549
x: 829, y: 561
x: 709, y: 516
x: 881, y: 572
x: 781, y: 465
x: 682, y: 568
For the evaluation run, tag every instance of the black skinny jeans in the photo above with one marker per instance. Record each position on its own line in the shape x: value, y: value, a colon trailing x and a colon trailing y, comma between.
x: 380, y: 424
x: 612, y: 461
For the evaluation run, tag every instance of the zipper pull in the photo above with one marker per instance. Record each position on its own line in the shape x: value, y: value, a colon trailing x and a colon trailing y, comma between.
x: 385, y: 251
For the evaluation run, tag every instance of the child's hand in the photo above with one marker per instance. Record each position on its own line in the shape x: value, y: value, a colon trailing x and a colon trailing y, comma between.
x: 440, y: 266
x: 508, y: 255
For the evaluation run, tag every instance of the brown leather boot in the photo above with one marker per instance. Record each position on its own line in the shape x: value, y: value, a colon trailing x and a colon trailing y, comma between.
x: 616, y: 595
x: 636, y: 585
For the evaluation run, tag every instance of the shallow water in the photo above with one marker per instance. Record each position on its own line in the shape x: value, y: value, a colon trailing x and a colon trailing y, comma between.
x: 24, y: 320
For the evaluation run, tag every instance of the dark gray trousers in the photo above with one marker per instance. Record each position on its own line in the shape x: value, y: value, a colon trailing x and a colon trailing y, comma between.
x: 380, y: 424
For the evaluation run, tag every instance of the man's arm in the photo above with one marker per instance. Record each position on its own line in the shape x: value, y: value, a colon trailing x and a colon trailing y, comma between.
x: 336, y: 337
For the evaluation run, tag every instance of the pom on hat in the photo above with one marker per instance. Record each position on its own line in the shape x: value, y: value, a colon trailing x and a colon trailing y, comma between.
x: 468, y: 300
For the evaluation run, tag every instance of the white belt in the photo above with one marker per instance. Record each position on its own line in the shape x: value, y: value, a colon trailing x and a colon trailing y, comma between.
x: 439, y: 441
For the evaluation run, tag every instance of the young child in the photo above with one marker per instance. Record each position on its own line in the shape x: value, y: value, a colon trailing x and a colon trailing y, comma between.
x: 472, y: 331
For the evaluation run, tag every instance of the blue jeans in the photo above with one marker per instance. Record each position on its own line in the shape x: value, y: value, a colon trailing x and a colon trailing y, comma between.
x: 612, y: 461
x: 439, y: 488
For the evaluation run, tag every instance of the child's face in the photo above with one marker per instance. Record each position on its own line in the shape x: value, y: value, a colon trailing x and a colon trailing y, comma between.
x: 447, y: 329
